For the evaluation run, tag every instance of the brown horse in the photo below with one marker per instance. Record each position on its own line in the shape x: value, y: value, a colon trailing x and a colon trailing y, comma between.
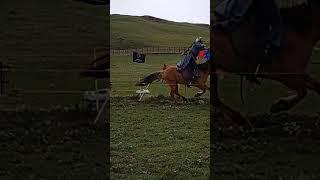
x: 288, y: 67
x: 172, y: 77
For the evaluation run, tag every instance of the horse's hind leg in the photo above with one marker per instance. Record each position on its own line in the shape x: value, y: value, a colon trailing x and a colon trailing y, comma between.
x: 286, y: 103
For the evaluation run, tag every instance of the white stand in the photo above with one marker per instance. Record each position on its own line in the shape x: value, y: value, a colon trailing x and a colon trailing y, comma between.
x: 142, y: 92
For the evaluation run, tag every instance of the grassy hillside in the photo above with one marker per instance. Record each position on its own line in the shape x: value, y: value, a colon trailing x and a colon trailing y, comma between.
x: 144, y: 31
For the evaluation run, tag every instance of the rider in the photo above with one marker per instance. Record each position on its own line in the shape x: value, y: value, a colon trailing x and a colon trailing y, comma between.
x: 190, y: 59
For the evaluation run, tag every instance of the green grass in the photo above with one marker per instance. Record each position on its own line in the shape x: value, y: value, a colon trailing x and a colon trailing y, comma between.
x: 56, y: 144
x: 282, y: 146
x: 159, y: 139
x: 137, y: 32
x: 125, y: 73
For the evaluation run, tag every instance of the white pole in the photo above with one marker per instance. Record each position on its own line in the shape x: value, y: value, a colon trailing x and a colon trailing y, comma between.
x: 96, y: 81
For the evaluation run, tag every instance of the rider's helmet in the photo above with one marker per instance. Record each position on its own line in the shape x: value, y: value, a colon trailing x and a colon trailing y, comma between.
x: 199, y: 39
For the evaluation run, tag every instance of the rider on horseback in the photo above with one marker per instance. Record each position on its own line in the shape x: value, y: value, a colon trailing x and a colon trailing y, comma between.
x: 189, y: 61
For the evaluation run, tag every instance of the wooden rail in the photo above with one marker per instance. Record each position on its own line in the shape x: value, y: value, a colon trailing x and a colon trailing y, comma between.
x: 149, y: 50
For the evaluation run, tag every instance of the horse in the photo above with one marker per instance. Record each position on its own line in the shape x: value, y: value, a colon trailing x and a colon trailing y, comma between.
x: 172, y: 77
x: 287, y: 67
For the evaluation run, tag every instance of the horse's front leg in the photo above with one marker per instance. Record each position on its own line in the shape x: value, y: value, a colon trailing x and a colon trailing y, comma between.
x: 203, y: 88
x: 200, y: 93
x: 286, y: 103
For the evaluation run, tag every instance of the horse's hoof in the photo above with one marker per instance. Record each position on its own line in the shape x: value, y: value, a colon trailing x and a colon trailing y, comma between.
x: 280, y: 105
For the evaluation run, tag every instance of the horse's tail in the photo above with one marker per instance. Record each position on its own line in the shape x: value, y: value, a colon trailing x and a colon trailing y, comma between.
x: 150, y: 78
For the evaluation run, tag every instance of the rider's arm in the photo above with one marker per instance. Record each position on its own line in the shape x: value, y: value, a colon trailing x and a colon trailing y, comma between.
x: 185, y: 52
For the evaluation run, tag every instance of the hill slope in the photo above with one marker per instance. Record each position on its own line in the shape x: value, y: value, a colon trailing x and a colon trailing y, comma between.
x: 145, y: 31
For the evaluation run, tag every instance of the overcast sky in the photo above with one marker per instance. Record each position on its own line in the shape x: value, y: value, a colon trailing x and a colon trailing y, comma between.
x: 193, y: 11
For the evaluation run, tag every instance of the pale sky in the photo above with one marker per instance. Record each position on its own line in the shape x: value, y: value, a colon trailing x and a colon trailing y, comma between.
x: 192, y: 11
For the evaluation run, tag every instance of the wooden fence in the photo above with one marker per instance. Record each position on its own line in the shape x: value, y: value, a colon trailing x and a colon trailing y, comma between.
x: 149, y: 50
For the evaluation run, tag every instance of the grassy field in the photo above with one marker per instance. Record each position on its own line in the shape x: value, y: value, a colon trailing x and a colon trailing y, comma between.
x: 283, y: 146
x: 55, y: 144
x: 159, y: 139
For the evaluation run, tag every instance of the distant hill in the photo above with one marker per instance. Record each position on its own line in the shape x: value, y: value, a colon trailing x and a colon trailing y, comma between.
x: 145, y: 31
